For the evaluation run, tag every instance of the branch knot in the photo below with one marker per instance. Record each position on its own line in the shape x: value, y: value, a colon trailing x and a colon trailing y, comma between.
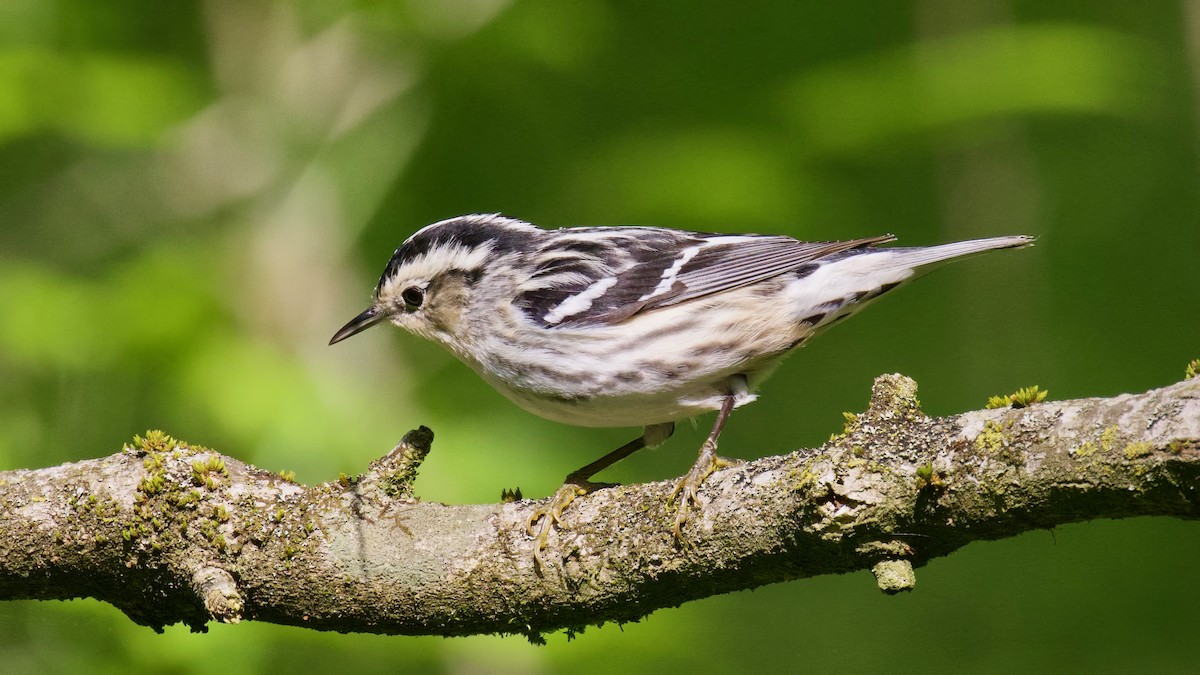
x: 218, y: 590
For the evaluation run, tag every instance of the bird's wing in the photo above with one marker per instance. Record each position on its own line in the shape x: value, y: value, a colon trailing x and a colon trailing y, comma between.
x: 725, y: 263
x: 677, y: 269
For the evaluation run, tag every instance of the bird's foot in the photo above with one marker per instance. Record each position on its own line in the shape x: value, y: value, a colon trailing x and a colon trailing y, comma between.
x: 686, y: 490
x: 550, y: 514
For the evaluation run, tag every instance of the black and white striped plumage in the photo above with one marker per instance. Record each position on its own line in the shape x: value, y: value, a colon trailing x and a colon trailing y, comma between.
x: 631, y: 326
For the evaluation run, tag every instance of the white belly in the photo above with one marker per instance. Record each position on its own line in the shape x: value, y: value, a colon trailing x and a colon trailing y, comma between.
x: 626, y: 410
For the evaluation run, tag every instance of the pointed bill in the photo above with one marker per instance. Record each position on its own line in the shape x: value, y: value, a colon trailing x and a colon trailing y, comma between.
x: 358, y: 324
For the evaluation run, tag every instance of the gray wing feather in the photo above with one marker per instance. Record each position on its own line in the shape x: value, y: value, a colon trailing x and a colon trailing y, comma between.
x: 715, y: 268
x: 728, y: 266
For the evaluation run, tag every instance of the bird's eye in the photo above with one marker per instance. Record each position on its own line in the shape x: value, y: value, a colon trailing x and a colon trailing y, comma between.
x: 412, y: 297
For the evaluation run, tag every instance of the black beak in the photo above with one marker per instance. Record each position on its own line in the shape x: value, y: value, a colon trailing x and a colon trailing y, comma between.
x: 358, y: 324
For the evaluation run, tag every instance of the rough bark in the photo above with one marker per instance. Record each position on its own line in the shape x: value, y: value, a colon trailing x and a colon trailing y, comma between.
x: 175, y: 533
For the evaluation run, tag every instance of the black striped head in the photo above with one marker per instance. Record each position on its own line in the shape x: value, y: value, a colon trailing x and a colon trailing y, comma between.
x: 423, y: 287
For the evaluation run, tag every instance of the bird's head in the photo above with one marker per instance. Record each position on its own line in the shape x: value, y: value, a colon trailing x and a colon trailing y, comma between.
x: 430, y: 279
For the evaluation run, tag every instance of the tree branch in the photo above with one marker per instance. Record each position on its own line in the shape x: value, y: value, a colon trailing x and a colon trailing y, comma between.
x: 175, y: 533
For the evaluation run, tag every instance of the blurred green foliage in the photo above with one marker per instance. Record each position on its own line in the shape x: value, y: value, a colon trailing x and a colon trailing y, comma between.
x: 193, y: 196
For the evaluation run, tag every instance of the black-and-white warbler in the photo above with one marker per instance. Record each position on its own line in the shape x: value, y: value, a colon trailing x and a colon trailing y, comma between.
x: 631, y: 326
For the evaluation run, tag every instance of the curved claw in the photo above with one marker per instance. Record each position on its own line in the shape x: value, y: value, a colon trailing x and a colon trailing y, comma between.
x: 550, y: 515
x: 687, y: 489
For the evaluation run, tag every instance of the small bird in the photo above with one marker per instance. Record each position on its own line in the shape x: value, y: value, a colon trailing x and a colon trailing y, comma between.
x: 631, y: 326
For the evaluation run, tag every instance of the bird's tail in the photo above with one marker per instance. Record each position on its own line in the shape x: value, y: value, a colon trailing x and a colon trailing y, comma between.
x: 844, y: 286
x: 929, y: 255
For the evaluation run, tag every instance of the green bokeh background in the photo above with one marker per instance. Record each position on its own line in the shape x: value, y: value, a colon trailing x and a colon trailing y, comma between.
x: 194, y: 196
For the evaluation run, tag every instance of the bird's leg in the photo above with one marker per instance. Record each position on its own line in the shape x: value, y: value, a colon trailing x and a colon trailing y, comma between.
x: 706, y: 463
x: 577, y: 484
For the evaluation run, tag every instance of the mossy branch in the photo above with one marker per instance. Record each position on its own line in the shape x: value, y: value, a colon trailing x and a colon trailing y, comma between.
x: 172, y: 533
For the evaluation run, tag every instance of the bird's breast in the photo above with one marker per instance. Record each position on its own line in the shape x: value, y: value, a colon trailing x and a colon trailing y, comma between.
x: 667, y: 364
